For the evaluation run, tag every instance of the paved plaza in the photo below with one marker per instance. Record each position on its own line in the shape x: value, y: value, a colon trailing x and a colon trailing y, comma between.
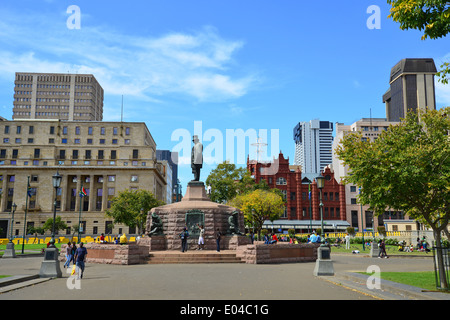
x: 292, y: 281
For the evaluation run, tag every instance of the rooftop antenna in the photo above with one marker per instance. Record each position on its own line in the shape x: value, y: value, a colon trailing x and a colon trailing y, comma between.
x: 259, y: 145
x: 121, y: 113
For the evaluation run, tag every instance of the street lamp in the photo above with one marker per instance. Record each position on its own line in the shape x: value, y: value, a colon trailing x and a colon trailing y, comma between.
x: 56, y: 179
x: 50, y: 267
x: 320, y: 184
x: 324, y: 264
x: 10, y: 252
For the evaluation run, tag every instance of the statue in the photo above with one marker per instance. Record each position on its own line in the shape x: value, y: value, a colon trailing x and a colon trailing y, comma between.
x: 234, y: 223
x: 156, y: 228
x: 196, y: 158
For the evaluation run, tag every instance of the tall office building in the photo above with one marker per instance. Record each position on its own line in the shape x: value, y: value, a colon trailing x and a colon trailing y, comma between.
x: 411, y: 88
x: 313, y: 145
x: 66, y: 97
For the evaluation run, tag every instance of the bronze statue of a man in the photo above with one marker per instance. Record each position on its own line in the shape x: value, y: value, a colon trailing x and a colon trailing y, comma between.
x: 196, y: 158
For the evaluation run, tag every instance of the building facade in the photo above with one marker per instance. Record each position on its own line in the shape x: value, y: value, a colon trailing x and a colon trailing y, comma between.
x: 172, y: 160
x: 104, y: 158
x: 313, y: 143
x: 69, y: 97
x: 358, y: 216
x: 295, y: 185
x: 411, y: 88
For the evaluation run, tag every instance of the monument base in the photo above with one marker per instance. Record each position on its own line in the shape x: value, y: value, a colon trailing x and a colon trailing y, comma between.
x: 374, y: 250
x: 10, y: 252
x: 324, y: 265
x: 50, y: 267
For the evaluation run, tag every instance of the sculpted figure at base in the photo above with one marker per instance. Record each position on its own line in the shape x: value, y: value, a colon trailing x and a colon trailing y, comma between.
x: 156, y: 226
x: 233, y: 223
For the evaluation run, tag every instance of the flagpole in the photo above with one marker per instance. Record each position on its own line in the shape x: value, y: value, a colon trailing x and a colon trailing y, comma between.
x: 81, y: 208
x: 25, y: 219
x: 310, y: 208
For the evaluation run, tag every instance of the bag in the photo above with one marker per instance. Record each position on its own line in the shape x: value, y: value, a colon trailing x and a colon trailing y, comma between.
x: 74, y: 270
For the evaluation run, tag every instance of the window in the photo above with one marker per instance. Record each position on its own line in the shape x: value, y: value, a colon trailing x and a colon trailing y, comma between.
x: 352, y: 188
x: 37, y: 153
x: 30, y: 140
x: 114, y: 141
x: 127, y: 141
x: 102, y: 130
x: 77, y: 130
x: 18, y: 129
x: 64, y: 140
x: 18, y: 140
x: 62, y: 154
x: 90, y: 131
x: 115, y: 131
x: 353, y: 201
x: 111, y: 178
x: 15, y: 153
x: 127, y: 131
x: 64, y: 130
x: 134, y: 179
x: 75, y: 154
x: 34, y: 178
x: 135, y: 154
x: 281, y: 181
x: 113, y: 154
x: 87, y: 154
x: 5, y: 140
x: 100, y: 155
x: 89, y: 141
x: 77, y: 141
x: 51, y: 140
x: 31, y: 130
x: 102, y: 141
x: 6, y: 129
x: 2, y: 153
x: 52, y: 130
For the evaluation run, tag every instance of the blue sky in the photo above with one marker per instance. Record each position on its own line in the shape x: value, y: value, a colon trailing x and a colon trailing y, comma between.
x: 248, y: 64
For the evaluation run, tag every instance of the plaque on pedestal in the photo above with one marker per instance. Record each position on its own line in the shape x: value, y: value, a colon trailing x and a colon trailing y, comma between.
x: 50, y: 267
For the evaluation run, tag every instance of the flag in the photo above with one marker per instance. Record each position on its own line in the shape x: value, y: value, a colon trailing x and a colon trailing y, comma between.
x: 29, y: 191
x: 83, y: 192
x: 309, y: 191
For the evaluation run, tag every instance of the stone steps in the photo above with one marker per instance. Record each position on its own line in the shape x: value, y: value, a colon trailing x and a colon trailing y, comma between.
x: 201, y: 256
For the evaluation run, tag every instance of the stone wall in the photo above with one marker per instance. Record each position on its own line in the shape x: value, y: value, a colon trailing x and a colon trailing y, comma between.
x: 277, y: 253
x: 112, y: 253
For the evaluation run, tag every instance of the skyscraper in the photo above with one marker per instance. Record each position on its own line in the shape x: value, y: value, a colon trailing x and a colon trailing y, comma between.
x: 411, y: 88
x: 70, y: 97
x: 313, y: 145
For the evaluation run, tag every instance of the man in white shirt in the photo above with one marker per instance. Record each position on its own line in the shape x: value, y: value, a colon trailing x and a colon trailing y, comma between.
x: 196, y: 158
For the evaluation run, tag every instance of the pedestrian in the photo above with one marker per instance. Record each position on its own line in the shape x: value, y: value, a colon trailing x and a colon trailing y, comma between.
x: 80, y: 258
x: 347, y: 241
x: 266, y: 239
x: 313, y: 237
x: 184, y: 236
x: 382, y: 253
x: 201, y: 238
x: 218, y: 235
x: 72, y: 252
x: 68, y: 254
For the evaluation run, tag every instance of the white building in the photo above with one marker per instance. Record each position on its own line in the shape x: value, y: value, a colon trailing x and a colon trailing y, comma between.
x: 313, y: 145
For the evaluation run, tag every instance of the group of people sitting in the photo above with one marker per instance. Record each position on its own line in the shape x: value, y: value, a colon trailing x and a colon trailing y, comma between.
x: 117, y: 240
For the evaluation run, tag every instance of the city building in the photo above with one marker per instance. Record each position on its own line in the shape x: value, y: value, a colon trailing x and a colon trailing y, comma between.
x: 313, y: 142
x: 301, y: 213
x: 411, y: 88
x: 358, y: 216
x: 172, y: 160
x: 67, y: 97
x: 102, y: 158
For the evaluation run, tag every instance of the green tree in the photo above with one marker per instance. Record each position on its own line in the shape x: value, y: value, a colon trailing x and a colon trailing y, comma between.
x: 130, y: 207
x: 258, y: 206
x: 430, y: 16
x: 227, y: 181
x: 407, y: 168
x: 48, y: 225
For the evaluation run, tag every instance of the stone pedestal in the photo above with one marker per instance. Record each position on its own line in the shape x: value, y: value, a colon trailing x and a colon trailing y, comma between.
x: 10, y: 252
x: 374, y: 250
x: 195, y: 209
x: 50, y: 267
x: 324, y: 264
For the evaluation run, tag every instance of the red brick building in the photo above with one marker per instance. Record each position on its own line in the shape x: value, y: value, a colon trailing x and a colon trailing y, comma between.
x: 295, y: 187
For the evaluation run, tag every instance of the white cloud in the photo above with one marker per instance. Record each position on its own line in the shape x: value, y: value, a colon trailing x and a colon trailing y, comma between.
x: 197, y: 64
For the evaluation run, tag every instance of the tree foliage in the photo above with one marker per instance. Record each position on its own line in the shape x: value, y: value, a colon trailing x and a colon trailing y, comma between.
x: 258, y: 206
x: 430, y: 16
x: 227, y: 181
x: 406, y: 168
x: 48, y: 225
x: 130, y: 207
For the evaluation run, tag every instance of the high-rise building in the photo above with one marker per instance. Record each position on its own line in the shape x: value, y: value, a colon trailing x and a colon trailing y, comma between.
x: 313, y: 143
x: 411, y: 88
x: 66, y: 97
x: 172, y: 160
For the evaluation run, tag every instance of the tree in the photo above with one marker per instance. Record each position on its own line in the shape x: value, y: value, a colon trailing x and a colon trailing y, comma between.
x: 430, y: 16
x: 227, y: 181
x: 48, y: 225
x: 130, y: 207
x: 259, y: 206
x: 407, y: 168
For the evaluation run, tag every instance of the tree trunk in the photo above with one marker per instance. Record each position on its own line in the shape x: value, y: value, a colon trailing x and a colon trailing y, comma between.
x: 440, y: 259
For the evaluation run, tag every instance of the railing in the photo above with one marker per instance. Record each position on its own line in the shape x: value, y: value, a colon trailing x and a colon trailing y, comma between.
x: 439, y: 274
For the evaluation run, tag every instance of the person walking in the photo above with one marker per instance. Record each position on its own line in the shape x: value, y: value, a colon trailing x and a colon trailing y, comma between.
x: 347, y: 241
x: 68, y: 254
x: 80, y: 257
x: 218, y: 235
x: 184, y: 235
x: 72, y: 252
x: 382, y: 253
x: 201, y: 238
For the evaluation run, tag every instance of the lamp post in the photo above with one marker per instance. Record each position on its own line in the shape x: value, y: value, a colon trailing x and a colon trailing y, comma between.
x: 324, y: 264
x: 10, y: 252
x: 50, y: 267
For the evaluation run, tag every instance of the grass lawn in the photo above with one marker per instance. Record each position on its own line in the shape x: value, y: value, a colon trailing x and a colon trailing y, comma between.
x: 35, y: 248
x: 390, y: 250
x: 4, y: 276
x: 424, y: 279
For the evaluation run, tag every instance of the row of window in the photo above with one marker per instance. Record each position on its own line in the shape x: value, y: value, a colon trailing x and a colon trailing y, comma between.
x: 65, y: 130
x: 74, y: 162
